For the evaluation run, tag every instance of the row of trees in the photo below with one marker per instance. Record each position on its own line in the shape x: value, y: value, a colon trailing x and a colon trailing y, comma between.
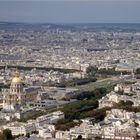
x: 82, y: 109
x: 28, y: 68
x: 74, y: 82
x: 128, y: 106
x: 32, y: 115
x: 94, y: 71
x: 97, y: 114
x: 96, y: 94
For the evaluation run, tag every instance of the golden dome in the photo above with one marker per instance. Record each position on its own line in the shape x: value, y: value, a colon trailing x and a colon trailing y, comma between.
x: 16, y: 79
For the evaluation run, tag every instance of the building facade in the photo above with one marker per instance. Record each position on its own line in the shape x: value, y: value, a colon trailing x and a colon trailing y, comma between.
x: 15, y: 98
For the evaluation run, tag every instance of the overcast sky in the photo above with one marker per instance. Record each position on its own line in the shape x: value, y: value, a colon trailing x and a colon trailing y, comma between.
x: 70, y: 11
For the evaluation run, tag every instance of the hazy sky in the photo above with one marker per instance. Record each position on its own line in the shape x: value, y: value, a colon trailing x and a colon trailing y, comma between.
x: 70, y: 11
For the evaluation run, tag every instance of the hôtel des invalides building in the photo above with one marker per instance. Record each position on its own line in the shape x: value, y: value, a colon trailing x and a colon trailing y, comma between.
x: 14, y: 99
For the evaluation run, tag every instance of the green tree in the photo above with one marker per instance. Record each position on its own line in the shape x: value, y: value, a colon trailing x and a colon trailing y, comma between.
x: 2, y: 137
x: 91, y: 71
x: 79, y: 138
x: 129, y: 103
x: 98, y: 138
x: 7, y: 134
x: 138, y: 71
x: 28, y: 135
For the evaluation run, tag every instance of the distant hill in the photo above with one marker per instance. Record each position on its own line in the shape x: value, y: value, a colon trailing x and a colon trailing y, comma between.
x: 91, y: 27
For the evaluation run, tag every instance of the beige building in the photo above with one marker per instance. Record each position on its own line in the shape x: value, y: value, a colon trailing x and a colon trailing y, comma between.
x: 18, y: 128
x: 63, y: 135
x: 47, y: 132
x: 15, y: 98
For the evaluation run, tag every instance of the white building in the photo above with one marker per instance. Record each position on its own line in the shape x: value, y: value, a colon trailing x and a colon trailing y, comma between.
x: 62, y: 135
x: 86, y: 130
x: 47, y: 131
x: 18, y: 128
x: 49, y: 118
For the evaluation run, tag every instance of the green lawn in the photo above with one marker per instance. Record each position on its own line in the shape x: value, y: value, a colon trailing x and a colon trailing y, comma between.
x: 106, y: 83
